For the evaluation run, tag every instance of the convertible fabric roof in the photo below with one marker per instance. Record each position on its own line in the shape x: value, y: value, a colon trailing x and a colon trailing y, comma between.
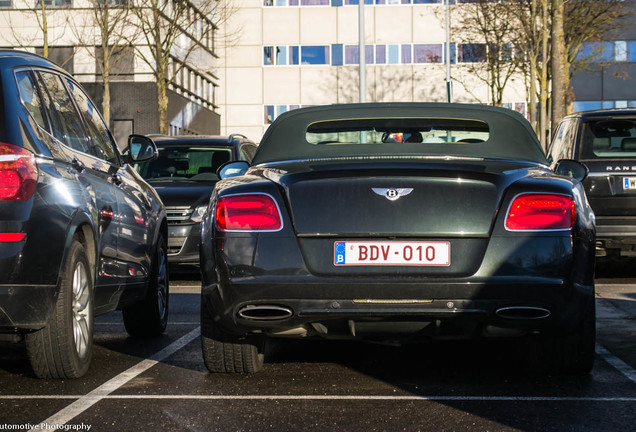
x: 510, y: 135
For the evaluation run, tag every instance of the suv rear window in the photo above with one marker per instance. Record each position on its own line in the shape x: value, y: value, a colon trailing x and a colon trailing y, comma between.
x: 609, y: 138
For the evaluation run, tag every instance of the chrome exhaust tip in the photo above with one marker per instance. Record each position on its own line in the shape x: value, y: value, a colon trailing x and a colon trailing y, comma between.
x: 523, y: 313
x: 265, y: 312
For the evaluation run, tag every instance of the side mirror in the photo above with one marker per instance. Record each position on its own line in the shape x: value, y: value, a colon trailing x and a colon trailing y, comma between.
x: 141, y: 149
x: 571, y: 168
x: 232, y: 169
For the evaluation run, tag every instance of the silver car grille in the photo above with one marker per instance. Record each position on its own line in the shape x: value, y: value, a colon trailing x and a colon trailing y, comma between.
x: 178, y: 215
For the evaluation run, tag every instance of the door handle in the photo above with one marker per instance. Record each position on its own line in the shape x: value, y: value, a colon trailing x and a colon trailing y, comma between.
x: 77, y: 165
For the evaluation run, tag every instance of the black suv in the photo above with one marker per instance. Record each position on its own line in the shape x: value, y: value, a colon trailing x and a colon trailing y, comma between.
x: 81, y: 233
x: 605, y: 141
x: 184, y: 176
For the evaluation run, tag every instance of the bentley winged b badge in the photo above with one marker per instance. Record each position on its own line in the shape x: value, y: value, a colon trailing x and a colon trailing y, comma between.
x: 392, y: 193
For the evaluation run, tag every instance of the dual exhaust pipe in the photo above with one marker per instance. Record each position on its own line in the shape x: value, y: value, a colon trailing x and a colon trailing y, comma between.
x: 276, y: 312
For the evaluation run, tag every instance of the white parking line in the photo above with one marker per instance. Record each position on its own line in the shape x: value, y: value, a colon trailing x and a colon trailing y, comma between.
x: 617, y: 363
x: 85, y: 402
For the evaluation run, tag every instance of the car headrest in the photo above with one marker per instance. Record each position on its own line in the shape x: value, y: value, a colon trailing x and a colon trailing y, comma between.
x: 219, y: 158
x: 181, y: 165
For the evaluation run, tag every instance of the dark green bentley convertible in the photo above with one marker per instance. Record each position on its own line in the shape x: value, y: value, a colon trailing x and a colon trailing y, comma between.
x: 398, y: 222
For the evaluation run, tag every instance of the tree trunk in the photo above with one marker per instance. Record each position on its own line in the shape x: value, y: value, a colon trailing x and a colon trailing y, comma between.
x: 532, y: 89
x: 533, y: 68
x: 543, y: 86
x: 559, y: 79
x: 106, y: 99
x: 162, y: 103
x: 45, y: 31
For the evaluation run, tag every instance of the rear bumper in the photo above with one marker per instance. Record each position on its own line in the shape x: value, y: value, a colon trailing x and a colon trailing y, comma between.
x: 183, y: 244
x: 542, y: 305
x: 25, y: 307
x: 608, y: 227
x: 617, y: 233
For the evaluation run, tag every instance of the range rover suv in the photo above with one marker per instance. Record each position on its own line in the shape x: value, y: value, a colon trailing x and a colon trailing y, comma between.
x: 184, y: 175
x: 81, y: 233
x: 605, y: 141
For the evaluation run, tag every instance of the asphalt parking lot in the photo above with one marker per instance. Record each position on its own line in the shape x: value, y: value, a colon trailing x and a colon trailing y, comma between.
x: 162, y: 384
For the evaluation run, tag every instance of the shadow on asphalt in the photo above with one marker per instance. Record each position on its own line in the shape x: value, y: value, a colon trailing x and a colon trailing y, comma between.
x: 607, y: 268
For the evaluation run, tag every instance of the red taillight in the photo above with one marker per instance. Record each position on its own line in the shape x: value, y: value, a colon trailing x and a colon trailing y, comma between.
x: 530, y: 212
x: 249, y: 212
x: 18, y: 173
x: 11, y: 237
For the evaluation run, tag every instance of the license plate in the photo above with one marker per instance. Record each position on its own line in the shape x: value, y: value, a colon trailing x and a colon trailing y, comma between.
x: 629, y: 182
x: 392, y: 253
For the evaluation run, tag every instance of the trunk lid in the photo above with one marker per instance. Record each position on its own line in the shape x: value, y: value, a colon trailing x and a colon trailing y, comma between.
x: 397, y: 200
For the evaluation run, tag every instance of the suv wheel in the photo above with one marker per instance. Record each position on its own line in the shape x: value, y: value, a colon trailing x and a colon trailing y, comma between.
x: 63, y: 348
x: 227, y: 353
x: 150, y: 317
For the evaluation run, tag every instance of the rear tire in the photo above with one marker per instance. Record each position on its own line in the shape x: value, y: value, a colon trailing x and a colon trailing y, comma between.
x: 150, y: 317
x: 63, y: 348
x: 573, y: 353
x: 226, y: 353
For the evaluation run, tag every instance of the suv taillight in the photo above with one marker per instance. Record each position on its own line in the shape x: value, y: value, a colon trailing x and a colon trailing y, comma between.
x: 248, y: 212
x: 18, y: 173
x: 538, y: 211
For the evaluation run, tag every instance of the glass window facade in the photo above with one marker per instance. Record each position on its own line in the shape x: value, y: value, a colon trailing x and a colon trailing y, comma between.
x: 314, y: 55
x: 339, y: 54
x: 427, y: 53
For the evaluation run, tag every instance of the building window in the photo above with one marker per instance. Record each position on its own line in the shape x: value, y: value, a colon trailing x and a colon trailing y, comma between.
x: 294, y: 55
x: 427, y: 53
x: 394, y: 54
x: 620, y: 51
x: 406, y: 53
x: 631, y: 51
x: 273, y: 111
x: 56, y: 3
x: 62, y: 56
x: 352, y: 56
x: 121, y: 63
x: 471, y: 53
x: 380, y: 54
x: 453, y: 53
x: 314, y: 55
x: 268, y: 55
x: 281, y: 55
x: 5, y: 3
x: 336, y: 55
x: 596, y: 51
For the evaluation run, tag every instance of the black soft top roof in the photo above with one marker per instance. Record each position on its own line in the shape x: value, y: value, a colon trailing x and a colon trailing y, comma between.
x: 510, y: 135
